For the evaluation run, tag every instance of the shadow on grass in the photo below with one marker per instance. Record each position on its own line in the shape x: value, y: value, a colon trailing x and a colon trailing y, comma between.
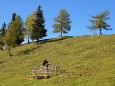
x: 27, y: 51
x: 30, y: 50
x: 54, y: 39
x: 1, y: 62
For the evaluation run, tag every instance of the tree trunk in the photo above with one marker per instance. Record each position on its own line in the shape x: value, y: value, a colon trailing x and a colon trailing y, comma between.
x: 28, y: 39
x: 37, y: 40
x: 2, y: 45
x: 100, y: 31
x: 9, y: 52
x: 61, y: 32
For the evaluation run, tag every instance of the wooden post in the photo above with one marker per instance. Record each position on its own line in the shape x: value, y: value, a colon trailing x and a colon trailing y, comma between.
x: 57, y: 69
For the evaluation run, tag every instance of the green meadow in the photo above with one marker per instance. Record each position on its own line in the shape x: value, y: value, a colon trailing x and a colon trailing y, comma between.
x: 91, y: 58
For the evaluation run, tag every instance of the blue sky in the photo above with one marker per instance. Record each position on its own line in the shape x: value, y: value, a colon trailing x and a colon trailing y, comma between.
x: 79, y: 10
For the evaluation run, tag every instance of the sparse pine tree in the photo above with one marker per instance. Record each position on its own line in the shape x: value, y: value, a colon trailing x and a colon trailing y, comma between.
x: 62, y: 22
x: 38, y: 30
x: 99, y: 22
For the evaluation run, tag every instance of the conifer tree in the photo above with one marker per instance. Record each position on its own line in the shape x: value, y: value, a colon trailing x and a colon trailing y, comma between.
x: 18, y: 25
x: 29, y: 24
x: 99, y: 22
x: 18, y: 28
x: 2, y: 30
x: 14, y: 35
x: 2, y: 34
x: 38, y: 30
x: 10, y: 37
x: 13, y: 17
x: 62, y: 22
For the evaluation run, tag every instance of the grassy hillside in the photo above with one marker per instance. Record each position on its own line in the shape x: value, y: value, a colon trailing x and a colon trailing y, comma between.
x: 92, y: 58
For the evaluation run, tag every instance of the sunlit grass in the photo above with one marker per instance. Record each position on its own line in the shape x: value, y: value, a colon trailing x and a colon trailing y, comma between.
x: 92, y: 58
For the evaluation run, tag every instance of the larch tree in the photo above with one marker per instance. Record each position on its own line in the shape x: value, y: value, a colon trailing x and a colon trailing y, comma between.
x: 14, y: 35
x: 38, y: 28
x: 10, y: 37
x: 62, y: 22
x: 99, y: 22
x: 29, y: 24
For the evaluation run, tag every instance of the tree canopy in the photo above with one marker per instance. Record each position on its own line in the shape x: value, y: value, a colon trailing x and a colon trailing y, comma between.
x: 29, y: 24
x: 62, y: 22
x: 30, y: 21
x: 2, y: 30
x: 99, y: 22
x: 14, y: 35
x: 38, y: 30
x: 2, y: 34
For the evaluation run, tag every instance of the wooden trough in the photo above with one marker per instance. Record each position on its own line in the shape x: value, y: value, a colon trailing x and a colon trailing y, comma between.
x: 38, y: 72
x: 43, y: 72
